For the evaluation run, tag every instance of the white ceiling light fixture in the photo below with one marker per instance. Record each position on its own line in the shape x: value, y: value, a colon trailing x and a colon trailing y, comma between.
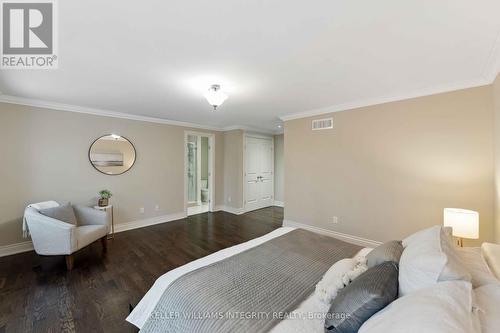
x: 215, y: 96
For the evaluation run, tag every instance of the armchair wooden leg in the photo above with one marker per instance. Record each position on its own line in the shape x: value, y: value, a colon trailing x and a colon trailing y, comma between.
x: 69, y: 262
x: 104, y: 242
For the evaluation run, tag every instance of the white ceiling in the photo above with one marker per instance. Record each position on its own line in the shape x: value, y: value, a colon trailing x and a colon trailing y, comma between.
x: 274, y: 57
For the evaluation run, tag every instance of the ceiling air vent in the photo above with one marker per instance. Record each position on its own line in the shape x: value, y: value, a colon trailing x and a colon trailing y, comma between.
x: 321, y: 124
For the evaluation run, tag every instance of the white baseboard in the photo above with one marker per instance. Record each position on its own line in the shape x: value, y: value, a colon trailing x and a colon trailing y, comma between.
x: 279, y: 203
x: 11, y: 249
x: 147, y: 222
x: 345, y: 237
x: 194, y: 210
x: 218, y: 208
x: 7, y: 250
x: 232, y: 210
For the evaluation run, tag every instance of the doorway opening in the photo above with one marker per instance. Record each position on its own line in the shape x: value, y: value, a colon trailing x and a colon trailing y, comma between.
x: 198, y: 173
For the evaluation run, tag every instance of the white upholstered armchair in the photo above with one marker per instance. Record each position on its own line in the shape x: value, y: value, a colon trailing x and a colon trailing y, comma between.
x: 51, y: 236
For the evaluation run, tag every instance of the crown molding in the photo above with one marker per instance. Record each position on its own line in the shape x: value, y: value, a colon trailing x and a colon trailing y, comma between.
x: 235, y: 128
x: 492, y: 65
x: 107, y: 113
x: 249, y: 129
x: 376, y: 101
x: 97, y: 112
x: 489, y: 73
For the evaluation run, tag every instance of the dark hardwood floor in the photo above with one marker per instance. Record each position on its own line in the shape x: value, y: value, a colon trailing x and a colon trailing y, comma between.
x: 37, y: 294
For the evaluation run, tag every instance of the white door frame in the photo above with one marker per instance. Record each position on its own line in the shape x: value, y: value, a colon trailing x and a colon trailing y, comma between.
x: 198, y: 170
x: 258, y: 136
x: 211, y: 169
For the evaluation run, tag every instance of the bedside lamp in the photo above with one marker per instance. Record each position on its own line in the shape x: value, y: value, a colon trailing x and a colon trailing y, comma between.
x: 465, y: 223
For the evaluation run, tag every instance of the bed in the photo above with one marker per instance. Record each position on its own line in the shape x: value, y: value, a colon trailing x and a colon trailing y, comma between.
x: 147, y: 304
x: 296, y: 316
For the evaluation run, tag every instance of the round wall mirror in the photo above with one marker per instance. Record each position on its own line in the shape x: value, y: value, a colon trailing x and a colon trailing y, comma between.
x: 112, y: 154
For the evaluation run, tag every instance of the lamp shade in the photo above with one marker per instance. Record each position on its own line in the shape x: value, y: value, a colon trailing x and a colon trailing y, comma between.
x: 465, y: 223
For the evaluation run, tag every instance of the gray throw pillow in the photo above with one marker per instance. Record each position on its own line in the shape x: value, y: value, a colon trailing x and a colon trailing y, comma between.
x: 63, y: 213
x: 366, y: 295
x: 390, y: 251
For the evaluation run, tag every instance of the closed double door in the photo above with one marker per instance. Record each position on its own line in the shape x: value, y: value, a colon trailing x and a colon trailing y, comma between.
x: 259, y: 175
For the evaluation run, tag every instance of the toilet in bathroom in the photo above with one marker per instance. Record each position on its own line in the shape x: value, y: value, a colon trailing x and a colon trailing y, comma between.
x: 204, y: 190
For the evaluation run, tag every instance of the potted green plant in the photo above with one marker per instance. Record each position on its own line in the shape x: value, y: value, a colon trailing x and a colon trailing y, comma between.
x: 104, y: 196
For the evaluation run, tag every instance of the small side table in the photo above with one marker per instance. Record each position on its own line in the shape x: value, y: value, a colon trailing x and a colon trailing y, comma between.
x: 110, y: 209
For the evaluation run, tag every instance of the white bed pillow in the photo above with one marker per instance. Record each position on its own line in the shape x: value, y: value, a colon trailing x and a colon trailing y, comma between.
x: 477, y: 266
x: 455, y: 268
x: 491, y: 253
x: 423, y: 235
x: 429, y: 257
x: 487, y: 299
x: 446, y: 307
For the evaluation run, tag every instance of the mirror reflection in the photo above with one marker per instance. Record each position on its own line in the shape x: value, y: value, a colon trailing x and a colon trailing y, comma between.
x: 112, y: 154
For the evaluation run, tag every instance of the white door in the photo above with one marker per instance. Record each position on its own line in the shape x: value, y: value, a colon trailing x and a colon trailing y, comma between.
x: 259, y: 177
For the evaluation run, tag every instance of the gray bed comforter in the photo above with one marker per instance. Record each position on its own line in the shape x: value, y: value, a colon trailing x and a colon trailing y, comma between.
x: 251, y: 291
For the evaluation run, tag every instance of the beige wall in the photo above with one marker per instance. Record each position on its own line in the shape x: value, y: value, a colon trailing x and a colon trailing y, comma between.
x: 388, y: 170
x: 45, y: 156
x: 233, y: 168
x: 279, y: 168
x: 496, y: 101
x: 385, y: 170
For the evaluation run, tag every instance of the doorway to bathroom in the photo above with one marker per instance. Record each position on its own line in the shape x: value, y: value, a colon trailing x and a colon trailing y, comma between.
x: 199, y: 162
